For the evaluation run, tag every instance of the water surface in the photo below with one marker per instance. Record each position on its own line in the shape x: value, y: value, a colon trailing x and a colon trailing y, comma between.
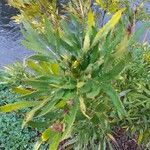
x: 10, y: 37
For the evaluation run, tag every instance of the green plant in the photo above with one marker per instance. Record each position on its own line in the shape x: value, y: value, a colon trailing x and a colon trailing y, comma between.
x: 34, y: 11
x: 134, y: 84
x: 11, y: 135
x: 73, y: 80
x: 12, y: 74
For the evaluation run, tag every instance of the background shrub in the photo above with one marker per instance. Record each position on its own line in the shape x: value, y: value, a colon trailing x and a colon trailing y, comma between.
x: 12, y: 137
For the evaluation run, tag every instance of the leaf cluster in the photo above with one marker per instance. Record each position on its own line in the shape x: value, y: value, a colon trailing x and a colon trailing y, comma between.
x: 78, y: 83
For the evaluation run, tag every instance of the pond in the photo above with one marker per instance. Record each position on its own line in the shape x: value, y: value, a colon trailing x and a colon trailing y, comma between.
x: 10, y: 37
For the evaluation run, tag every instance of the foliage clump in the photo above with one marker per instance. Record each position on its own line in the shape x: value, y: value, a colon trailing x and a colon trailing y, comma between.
x: 11, y: 135
x: 83, y: 80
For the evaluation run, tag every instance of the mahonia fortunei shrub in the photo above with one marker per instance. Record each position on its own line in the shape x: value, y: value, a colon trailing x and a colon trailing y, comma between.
x: 74, y: 81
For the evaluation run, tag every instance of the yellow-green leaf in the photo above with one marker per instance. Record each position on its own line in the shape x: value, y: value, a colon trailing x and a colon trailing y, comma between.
x: 108, y: 27
x: 61, y: 104
x: 69, y: 121
x: 55, y: 68
x: 46, y: 67
x: 21, y: 90
x: 34, y: 66
x: 122, y: 48
x: 83, y: 107
x: 86, y: 44
x: 18, y: 105
x: 110, y: 91
x: 140, y: 137
x: 37, y: 145
x: 80, y: 84
x: 30, y: 114
x: 46, y: 134
x: 101, y: 3
x: 91, y: 21
x: 55, y: 143
x: 112, y: 138
x: 109, y: 5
